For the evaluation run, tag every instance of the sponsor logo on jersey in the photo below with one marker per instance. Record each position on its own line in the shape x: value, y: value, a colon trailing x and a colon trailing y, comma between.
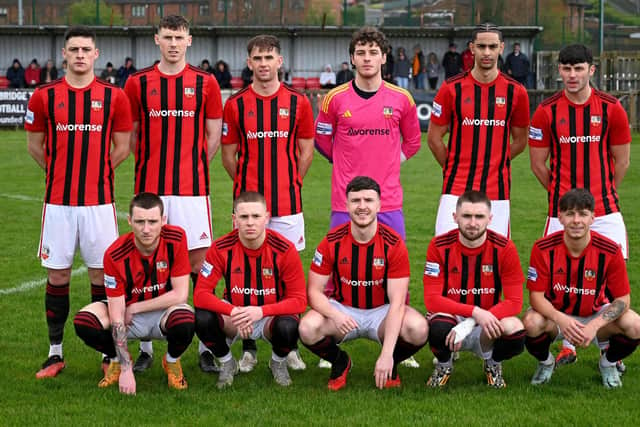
x: 596, y: 120
x: 437, y: 109
x: 78, y: 127
x: 346, y: 114
x: 500, y: 101
x: 589, y: 274
x: 387, y: 112
x: 532, y: 274
x: 317, y: 258
x: 251, y: 291
x: 535, y: 134
x: 206, y: 269
x: 378, y: 262
x: 473, y: 291
x: 29, y: 117
x: 369, y: 132
x: 323, y: 128
x: 432, y: 269
x: 189, y: 92
x: 225, y: 129
x: 482, y: 122
x: 362, y: 283
x: 153, y: 288
x: 267, y: 134
x: 558, y: 287
x: 109, y: 282
x: 283, y: 112
x: 579, y: 139
x: 96, y: 104
x: 161, y: 266
x: 171, y: 113
x: 487, y: 269
x: 267, y: 272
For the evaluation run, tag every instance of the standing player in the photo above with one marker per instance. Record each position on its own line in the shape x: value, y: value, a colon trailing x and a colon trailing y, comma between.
x: 482, y: 109
x: 466, y: 272
x: 585, y: 135
x: 146, y: 276
x: 177, y: 111
x: 579, y: 290
x: 264, y: 290
x: 267, y: 146
x: 368, y: 263
x: 71, y: 124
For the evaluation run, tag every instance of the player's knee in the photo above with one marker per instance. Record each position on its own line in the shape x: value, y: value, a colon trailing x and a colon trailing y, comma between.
x: 511, y: 325
x: 308, y: 328
x: 207, y: 323
x: 284, y: 334
x: 415, y: 328
x: 59, y: 277
x: 533, y: 323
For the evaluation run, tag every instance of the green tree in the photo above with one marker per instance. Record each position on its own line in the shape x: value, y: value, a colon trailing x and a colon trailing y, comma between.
x: 318, y: 11
x: 84, y: 12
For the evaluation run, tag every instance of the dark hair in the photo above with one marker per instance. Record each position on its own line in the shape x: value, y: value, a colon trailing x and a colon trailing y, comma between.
x: 249, y: 197
x: 360, y: 183
x: 575, y: 54
x: 366, y: 35
x: 263, y: 42
x: 80, y: 31
x: 516, y: 44
x: 146, y: 200
x: 473, y: 196
x: 109, y: 64
x: 487, y: 27
x: 173, y: 22
x: 577, y: 198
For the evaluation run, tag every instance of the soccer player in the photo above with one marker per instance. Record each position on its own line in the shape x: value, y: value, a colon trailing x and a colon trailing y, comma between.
x: 177, y: 117
x: 473, y: 290
x: 369, y: 265
x: 487, y: 116
x: 267, y: 146
x: 77, y: 131
x: 579, y: 290
x: 146, y: 276
x: 584, y: 133
x: 264, y: 290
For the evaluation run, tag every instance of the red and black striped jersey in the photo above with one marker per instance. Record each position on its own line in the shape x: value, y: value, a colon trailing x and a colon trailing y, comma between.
x: 579, y: 138
x: 171, y: 110
x: 360, y: 271
x: 457, y: 278
x: 581, y: 285
x: 266, y: 130
x: 78, y: 124
x: 140, y: 278
x: 270, y: 277
x: 480, y: 116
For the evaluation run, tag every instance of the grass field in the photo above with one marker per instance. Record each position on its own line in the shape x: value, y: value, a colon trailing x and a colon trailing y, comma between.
x: 574, y: 397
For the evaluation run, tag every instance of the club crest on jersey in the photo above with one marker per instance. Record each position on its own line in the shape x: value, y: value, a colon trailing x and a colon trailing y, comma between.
x: 283, y: 112
x: 45, y: 252
x: 317, y: 258
x: 96, y: 104
x: 109, y: 282
x: 387, y: 112
x: 500, y: 101
x: 596, y: 120
x: 378, y: 262
x: 589, y: 274
x: 267, y: 272
x: 189, y: 92
x: 532, y: 274
x: 206, y: 269
x: 161, y: 266
x: 487, y: 269
x: 432, y: 269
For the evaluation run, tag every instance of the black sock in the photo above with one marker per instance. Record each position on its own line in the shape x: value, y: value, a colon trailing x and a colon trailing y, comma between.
x: 508, y: 346
x: 620, y: 346
x: 56, y: 303
x: 326, y: 349
x: 98, y: 293
x: 92, y: 332
x: 284, y: 334
x: 403, y: 350
x: 249, y: 345
x: 538, y: 346
x: 210, y: 332
x: 180, y: 327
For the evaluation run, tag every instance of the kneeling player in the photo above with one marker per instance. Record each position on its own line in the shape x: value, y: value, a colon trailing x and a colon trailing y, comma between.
x: 466, y: 271
x: 264, y: 290
x: 369, y: 265
x: 579, y: 290
x: 146, y: 275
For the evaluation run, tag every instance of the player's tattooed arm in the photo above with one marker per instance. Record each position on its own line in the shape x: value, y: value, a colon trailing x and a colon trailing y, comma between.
x: 119, y: 333
x: 614, y: 310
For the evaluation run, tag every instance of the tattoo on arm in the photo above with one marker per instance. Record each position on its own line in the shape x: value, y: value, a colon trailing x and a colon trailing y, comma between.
x: 614, y: 311
x: 119, y: 333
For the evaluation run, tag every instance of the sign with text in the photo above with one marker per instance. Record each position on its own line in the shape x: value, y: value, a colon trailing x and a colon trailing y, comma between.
x: 13, y: 106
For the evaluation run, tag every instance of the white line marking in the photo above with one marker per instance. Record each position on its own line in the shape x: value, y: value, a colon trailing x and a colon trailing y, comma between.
x: 26, y: 286
x: 21, y: 197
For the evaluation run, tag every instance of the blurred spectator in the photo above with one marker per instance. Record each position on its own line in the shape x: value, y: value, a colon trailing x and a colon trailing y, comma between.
x: 246, y: 76
x: 452, y: 61
x: 517, y: 65
x: 417, y: 67
x: 109, y: 74
x: 32, y: 74
x: 387, y: 67
x: 222, y: 74
x: 327, y: 78
x: 433, y: 70
x: 205, y: 66
x: 125, y: 71
x: 344, y: 75
x: 63, y: 69
x: 402, y: 69
x: 467, y: 57
x: 15, y: 74
x: 49, y: 73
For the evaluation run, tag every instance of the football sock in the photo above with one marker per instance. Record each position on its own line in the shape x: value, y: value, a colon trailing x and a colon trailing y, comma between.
x: 508, y: 346
x: 568, y: 345
x: 284, y: 334
x: 98, y: 293
x: 55, y: 350
x: 171, y: 359
x: 202, y: 348
x: 210, y: 332
x: 326, y: 348
x: 277, y: 358
x: 339, y: 364
x: 620, y: 346
x: 403, y: 350
x: 92, y: 332
x: 56, y: 303
x: 226, y: 357
x: 146, y: 346
x: 439, y: 328
x: 539, y: 346
x: 180, y: 327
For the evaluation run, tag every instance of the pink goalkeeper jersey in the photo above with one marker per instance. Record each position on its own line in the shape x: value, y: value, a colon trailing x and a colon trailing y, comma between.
x: 367, y: 137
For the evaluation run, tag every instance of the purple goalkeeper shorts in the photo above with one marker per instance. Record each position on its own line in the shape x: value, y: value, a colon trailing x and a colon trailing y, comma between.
x: 394, y: 219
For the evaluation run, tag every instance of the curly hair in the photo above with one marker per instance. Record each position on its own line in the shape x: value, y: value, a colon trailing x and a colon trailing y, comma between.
x: 366, y: 35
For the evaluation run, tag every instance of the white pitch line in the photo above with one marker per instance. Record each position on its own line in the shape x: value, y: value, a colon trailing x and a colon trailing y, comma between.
x: 26, y: 286
x: 21, y: 197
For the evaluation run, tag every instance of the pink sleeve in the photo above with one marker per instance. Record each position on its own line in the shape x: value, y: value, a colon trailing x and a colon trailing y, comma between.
x: 325, y: 130
x: 410, y: 129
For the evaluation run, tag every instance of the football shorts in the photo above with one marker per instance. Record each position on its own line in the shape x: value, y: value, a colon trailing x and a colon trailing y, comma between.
x: 193, y: 215
x: 368, y: 320
x: 291, y: 227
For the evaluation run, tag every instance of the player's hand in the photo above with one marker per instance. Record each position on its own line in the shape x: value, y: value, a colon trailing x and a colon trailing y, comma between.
x: 450, y: 341
x: 571, y: 329
x: 128, y: 315
x: 383, y: 369
x: 243, y: 317
x: 127, y: 381
x: 245, y: 332
x: 489, y: 323
x: 588, y: 333
x: 344, y: 323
